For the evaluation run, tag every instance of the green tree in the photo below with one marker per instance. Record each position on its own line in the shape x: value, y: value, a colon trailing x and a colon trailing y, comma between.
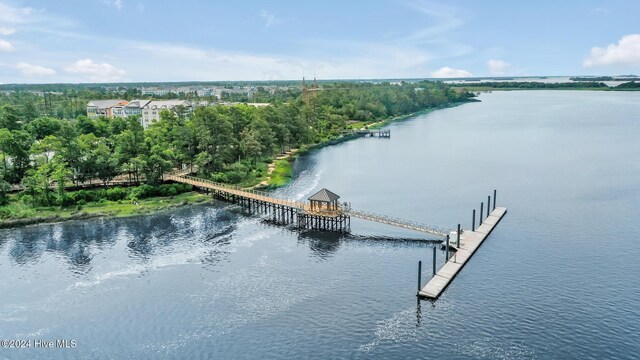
x: 43, y: 127
x: 60, y: 173
x: 10, y: 118
x: 250, y: 146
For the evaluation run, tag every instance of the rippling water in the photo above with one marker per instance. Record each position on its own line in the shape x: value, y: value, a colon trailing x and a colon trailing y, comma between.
x: 558, y: 278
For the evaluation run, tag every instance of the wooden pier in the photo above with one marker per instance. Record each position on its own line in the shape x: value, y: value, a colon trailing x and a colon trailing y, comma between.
x: 381, y: 133
x: 322, y: 212
x: 470, y: 241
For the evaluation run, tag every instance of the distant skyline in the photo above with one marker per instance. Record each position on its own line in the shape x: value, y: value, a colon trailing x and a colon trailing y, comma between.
x: 141, y: 40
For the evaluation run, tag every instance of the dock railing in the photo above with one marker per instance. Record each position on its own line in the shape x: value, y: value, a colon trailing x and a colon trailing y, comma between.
x: 390, y: 220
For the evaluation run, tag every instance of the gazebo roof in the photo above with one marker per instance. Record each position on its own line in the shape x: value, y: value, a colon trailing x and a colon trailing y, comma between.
x: 324, y: 195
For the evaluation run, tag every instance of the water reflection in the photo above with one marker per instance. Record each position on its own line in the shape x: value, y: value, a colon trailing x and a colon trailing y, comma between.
x: 72, y: 240
x: 322, y: 244
x: 78, y: 242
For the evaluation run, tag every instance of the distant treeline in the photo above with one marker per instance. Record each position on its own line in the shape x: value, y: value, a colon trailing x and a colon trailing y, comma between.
x: 542, y: 85
x: 604, y: 78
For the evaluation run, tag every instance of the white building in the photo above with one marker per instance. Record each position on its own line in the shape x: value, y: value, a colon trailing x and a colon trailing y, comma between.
x: 134, y: 107
x: 151, y: 110
x: 155, y: 91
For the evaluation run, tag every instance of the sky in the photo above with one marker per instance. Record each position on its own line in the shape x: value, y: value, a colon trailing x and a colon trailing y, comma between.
x: 45, y: 41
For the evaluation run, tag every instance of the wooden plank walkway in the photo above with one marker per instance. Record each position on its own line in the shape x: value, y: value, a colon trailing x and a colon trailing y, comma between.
x: 299, y: 205
x: 235, y: 190
x: 470, y: 241
x: 389, y: 220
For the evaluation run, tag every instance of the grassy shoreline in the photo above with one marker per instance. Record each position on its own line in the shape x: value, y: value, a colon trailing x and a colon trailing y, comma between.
x: 24, y: 215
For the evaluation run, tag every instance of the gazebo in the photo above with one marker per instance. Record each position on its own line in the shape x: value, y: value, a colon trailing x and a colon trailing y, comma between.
x: 322, y: 198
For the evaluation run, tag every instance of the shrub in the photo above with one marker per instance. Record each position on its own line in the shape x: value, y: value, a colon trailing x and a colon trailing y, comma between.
x: 116, y: 193
x: 5, y: 213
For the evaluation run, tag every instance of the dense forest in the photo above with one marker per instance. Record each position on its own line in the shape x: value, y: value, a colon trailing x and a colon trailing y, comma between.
x: 227, y: 143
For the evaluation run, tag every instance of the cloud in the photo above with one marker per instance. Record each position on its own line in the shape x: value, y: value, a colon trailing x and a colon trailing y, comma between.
x: 498, y: 67
x: 625, y: 53
x: 269, y: 19
x: 115, y: 3
x: 63, y: 41
x: 100, y: 72
x: 140, y: 7
x: 447, y: 72
x: 12, y: 15
x: 601, y: 10
x: 5, y: 45
x: 34, y: 70
x: 444, y: 19
x: 7, y: 31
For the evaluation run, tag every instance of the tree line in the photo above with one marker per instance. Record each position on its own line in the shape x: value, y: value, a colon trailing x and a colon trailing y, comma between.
x: 227, y: 143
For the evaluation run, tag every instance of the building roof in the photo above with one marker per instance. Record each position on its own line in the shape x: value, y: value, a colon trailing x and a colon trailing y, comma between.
x: 166, y: 103
x: 105, y: 104
x: 138, y: 103
x: 324, y: 195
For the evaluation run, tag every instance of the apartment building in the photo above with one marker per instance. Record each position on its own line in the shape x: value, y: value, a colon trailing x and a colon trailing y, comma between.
x: 151, y: 110
x: 96, y: 108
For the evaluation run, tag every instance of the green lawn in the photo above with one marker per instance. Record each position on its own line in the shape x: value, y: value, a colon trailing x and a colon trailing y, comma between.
x: 282, y: 173
x: 17, y: 210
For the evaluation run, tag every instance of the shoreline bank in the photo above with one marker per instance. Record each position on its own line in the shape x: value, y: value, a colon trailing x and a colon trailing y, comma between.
x: 107, y: 209
x: 293, y: 154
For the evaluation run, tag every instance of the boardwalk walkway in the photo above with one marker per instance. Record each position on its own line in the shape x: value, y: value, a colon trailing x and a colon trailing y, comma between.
x: 389, y: 220
x: 235, y: 190
x: 303, y: 207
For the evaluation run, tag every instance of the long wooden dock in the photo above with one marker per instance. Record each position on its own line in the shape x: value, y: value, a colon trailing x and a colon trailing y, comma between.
x: 470, y: 241
x: 307, y: 216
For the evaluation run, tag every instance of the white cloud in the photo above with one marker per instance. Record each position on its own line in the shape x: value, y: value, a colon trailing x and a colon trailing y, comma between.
x: 601, y: 10
x: 498, y: 67
x: 269, y: 19
x: 115, y: 3
x: 5, y: 45
x: 7, y: 31
x: 626, y: 53
x: 99, y: 72
x: 140, y: 7
x: 447, y: 72
x: 34, y: 70
x: 444, y: 19
x: 11, y: 15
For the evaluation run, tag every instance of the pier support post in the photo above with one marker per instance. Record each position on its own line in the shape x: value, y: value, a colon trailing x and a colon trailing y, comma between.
x: 458, y: 239
x: 446, y: 258
x: 419, y: 274
x: 434, y: 261
x: 494, y: 199
x: 473, y: 221
x: 480, y: 219
x: 488, y: 205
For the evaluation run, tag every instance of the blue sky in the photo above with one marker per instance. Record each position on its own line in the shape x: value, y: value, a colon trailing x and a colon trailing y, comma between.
x: 143, y: 40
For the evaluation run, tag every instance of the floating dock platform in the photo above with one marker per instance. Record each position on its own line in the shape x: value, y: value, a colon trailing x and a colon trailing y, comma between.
x: 470, y: 241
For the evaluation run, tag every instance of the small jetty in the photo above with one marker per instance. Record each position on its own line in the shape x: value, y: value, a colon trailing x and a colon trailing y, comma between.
x: 469, y: 242
x: 381, y: 133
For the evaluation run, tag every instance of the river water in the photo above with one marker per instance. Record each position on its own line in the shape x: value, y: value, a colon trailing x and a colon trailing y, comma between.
x: 558, y: 278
